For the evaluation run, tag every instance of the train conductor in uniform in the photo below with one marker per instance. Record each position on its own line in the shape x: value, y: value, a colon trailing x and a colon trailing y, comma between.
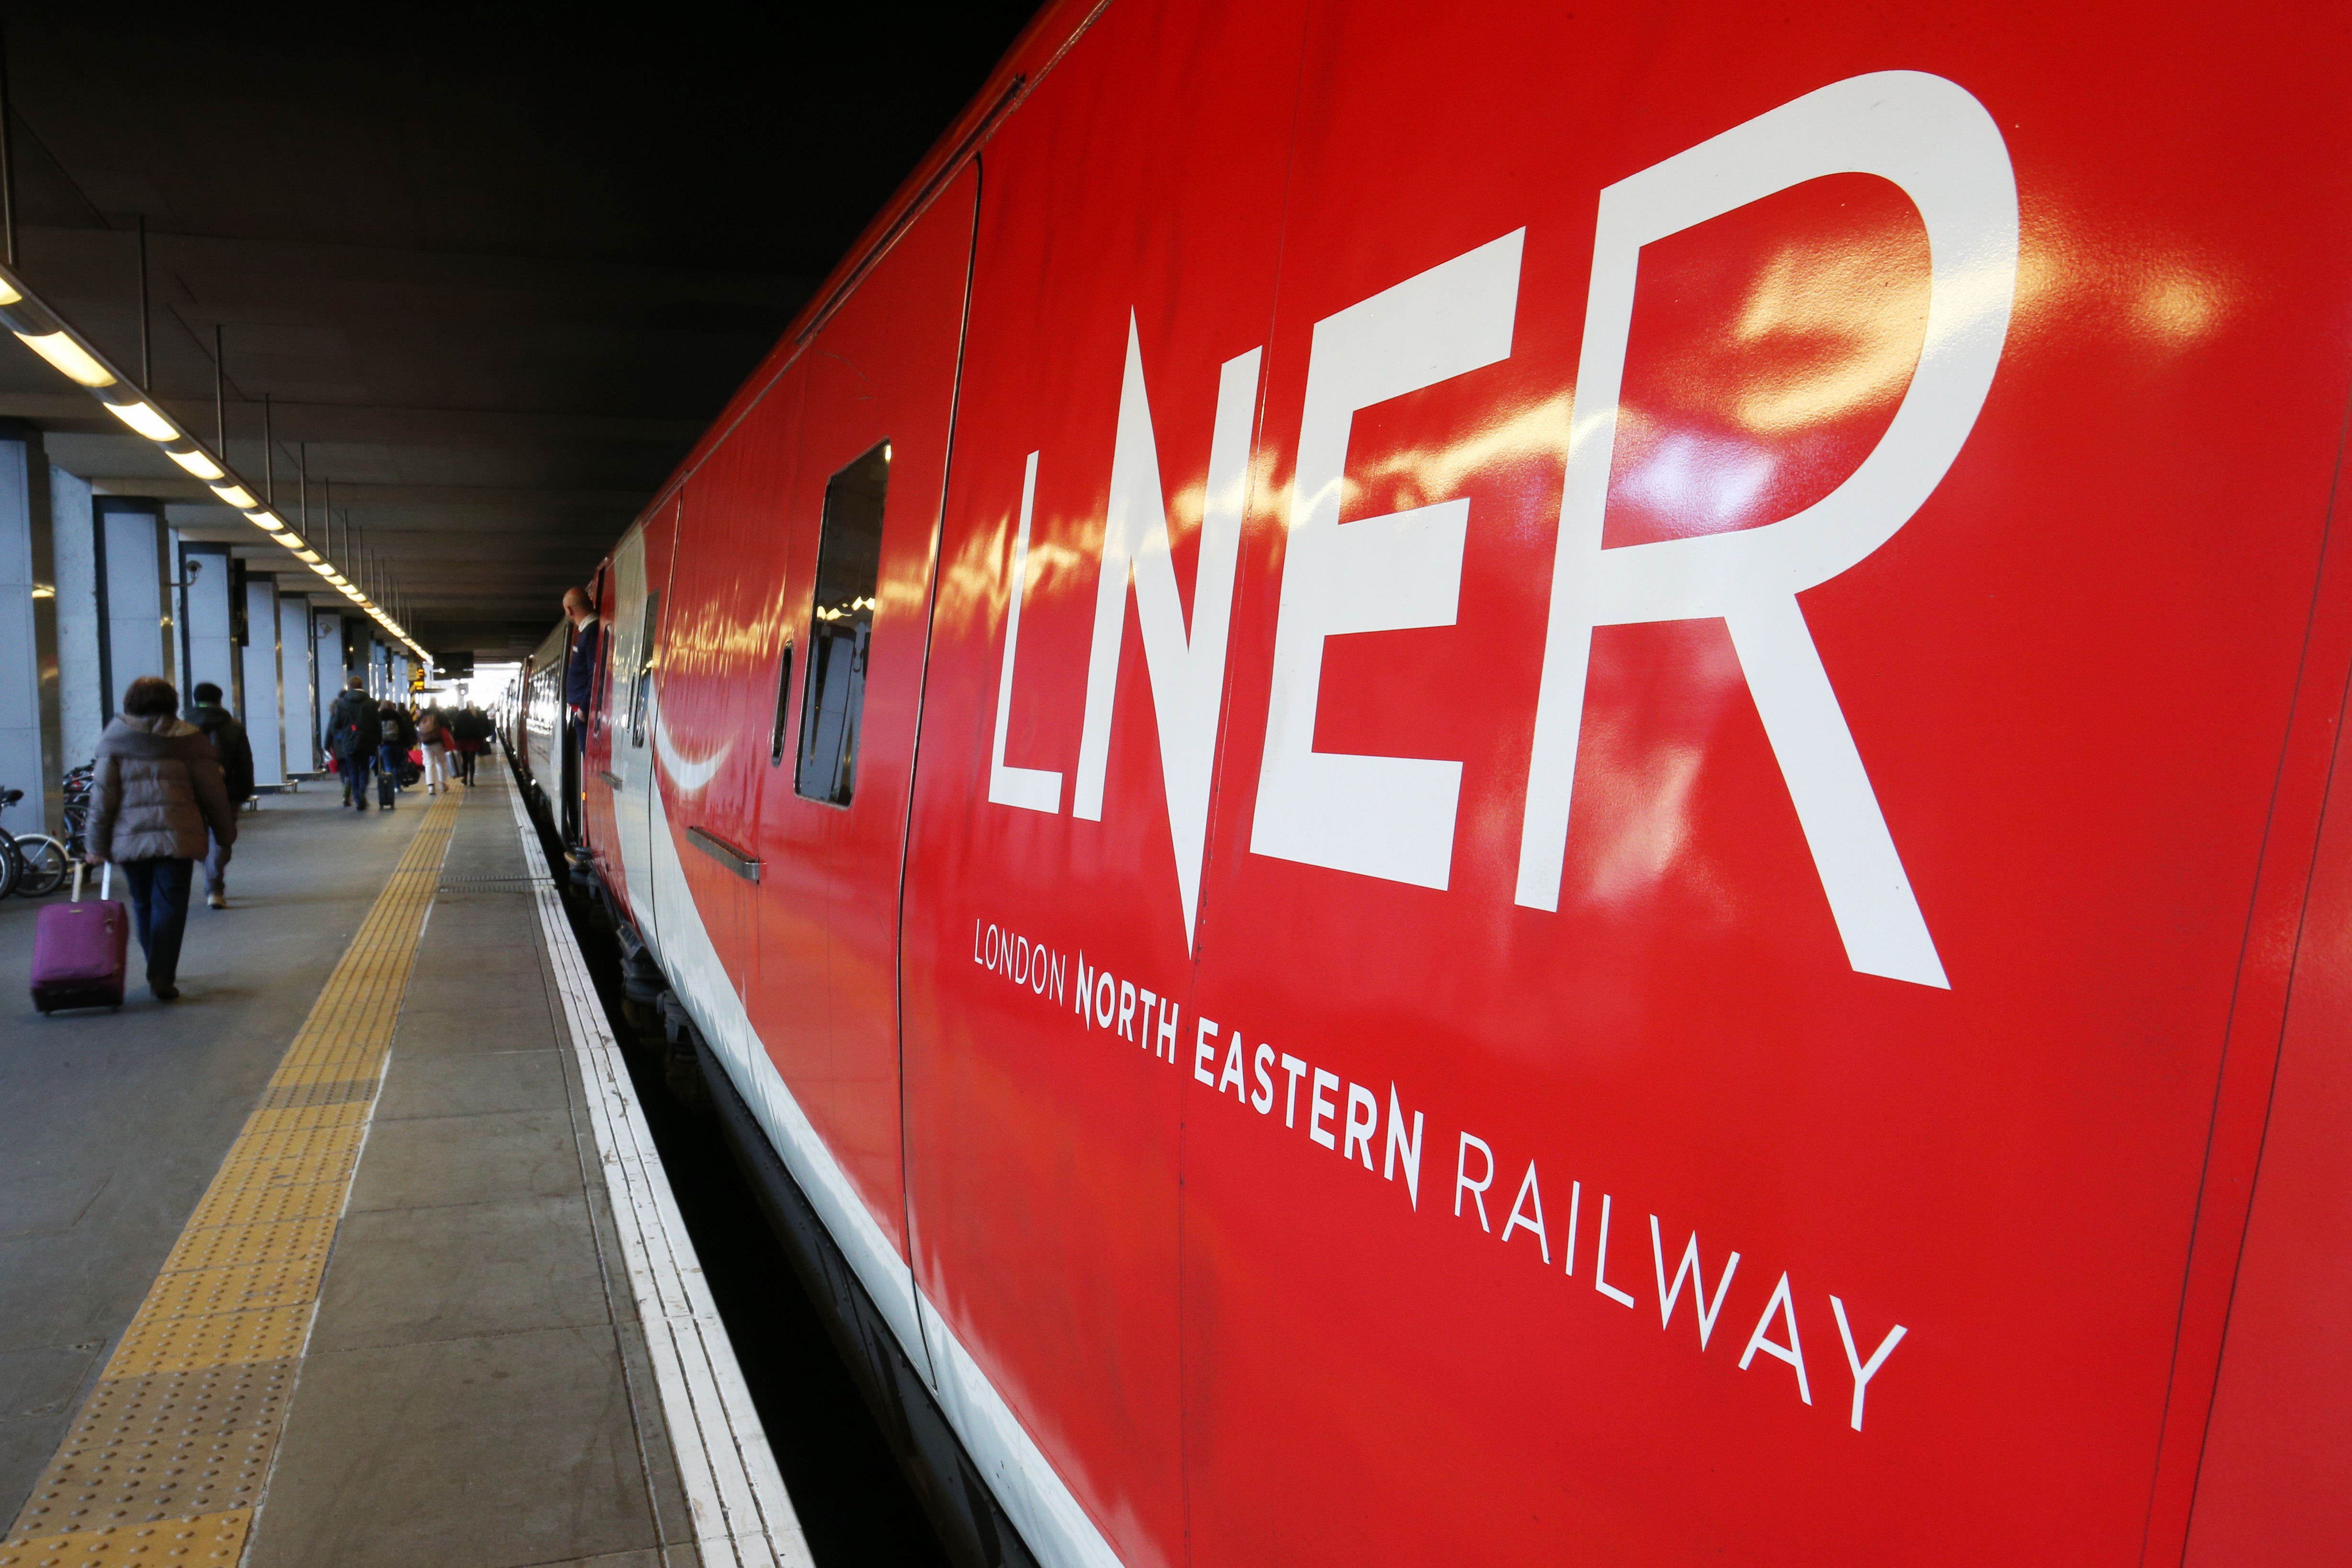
x: 579, y: 692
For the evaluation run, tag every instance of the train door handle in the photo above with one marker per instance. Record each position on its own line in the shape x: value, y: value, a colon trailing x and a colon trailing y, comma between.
x: 743, y: 865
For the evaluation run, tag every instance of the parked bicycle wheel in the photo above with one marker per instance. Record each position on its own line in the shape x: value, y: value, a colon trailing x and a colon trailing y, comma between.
x: 11, y: 866
x: 46, y: 865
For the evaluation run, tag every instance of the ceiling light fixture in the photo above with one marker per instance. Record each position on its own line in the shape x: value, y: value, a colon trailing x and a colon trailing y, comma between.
x: 71, y: 358
x: 142, y: 417
x: 41, y: 330
x: 196, y: 461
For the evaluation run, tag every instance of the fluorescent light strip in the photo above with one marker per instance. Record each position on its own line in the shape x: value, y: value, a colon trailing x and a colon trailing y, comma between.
x: 73, y: 362
x: 142, y: 417
x: 199, y: 463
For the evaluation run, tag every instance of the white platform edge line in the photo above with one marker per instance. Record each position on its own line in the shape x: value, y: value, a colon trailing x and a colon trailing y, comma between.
x: 696, y: 1461
x: 742, y: 1510
x: 729, y: 1507
x: 662, y: 1280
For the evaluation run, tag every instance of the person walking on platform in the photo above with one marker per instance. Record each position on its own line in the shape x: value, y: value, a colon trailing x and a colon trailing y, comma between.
x: 398, y: 732
x: 235, y: 754
x: 353, y: 735
x: 472, y: 731
x: 157, y: 793
x: 432, y: 735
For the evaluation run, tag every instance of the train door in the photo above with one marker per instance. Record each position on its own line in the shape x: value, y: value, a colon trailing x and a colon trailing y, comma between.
x: 1123, y: 286
x: 598, y: 824
x: 706, y: 732
x: 878, y: 394
x: 640, y: 576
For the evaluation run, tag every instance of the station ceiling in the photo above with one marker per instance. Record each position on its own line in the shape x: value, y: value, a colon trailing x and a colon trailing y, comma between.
x: 493, y: 272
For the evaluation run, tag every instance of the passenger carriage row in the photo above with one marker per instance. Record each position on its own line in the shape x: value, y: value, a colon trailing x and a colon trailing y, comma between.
x: 1382, y: 689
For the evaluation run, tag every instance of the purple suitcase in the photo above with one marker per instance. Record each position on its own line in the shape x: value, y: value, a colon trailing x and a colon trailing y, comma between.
x: 78, y: 950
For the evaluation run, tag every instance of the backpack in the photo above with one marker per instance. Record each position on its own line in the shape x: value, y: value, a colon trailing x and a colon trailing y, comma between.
x: 353, y: 721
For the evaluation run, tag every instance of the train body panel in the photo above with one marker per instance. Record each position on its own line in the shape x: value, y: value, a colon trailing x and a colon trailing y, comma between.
x: 540, y: 721
x: 1623, y: 726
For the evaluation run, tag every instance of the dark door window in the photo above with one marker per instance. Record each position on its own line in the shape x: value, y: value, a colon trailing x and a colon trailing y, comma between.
x: 841, y: 628
x: 641, y: 687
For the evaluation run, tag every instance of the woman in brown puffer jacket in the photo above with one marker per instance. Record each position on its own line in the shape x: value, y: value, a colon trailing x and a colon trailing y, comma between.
x: 158, y: 789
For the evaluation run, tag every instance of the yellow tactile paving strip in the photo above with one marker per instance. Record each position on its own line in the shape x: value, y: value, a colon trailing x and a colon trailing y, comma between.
x: 165, y: 1462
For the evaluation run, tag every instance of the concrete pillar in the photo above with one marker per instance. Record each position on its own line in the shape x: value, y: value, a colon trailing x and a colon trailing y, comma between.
x: 30, y: 744
x: 81, y: 628
x: 334, y: 669
x: 259, y: 705
x: 207, y: 618
x: 298, y: 685
x: 132, y: 594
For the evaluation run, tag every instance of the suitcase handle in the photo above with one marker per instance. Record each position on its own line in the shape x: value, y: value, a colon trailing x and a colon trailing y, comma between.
x: 105, y: 880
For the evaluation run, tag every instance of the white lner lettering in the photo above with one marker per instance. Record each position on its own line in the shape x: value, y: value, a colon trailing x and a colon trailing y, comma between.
x: 1937, y: 142
x: 1031, y: 788
x: 1394, y: 817
x: 1188, y: 671
x: 1187, y: 668
x: 1390, y: 817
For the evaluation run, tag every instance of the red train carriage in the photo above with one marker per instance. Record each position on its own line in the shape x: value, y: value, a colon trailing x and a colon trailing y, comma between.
x: 1476, y: 783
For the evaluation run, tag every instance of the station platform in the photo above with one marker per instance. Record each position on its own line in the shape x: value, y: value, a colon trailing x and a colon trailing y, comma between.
x: 360, y: 1253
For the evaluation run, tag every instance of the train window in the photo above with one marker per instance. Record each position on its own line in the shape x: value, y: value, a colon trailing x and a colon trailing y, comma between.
x: 784, y: 700
x: 841, y: 628
x: 641, y: 688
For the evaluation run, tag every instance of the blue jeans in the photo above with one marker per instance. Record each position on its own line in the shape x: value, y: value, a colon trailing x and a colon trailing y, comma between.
x: 159, y: 912
x: 355, y: 777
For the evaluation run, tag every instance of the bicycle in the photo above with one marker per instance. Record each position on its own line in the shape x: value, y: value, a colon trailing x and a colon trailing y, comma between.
x: 38, y: 864
x: 80, y: 786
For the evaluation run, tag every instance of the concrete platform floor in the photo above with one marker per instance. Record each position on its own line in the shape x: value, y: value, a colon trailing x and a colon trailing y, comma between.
x: 476, y: 1389
x: 112, y: 1124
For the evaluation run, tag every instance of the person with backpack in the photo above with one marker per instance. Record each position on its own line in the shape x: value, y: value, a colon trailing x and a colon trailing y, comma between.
x: 353, y: 736
x: 397, y: 733
x: 434, y: 735
x: 157, y: 793
x: 235, y: 754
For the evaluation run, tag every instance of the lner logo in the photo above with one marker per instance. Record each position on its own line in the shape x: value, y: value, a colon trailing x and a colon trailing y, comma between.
x: 1394, y: 817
